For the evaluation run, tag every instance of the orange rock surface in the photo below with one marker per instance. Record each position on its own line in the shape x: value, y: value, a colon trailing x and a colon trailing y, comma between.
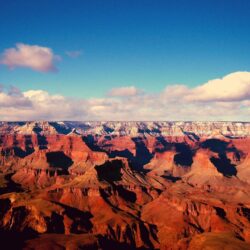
x: 74, y: 191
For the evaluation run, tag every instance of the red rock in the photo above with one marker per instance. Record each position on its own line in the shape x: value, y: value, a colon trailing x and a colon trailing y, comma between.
x: 152, y: 191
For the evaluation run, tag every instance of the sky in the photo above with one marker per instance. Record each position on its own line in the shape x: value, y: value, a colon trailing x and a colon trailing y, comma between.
x: 124, y: 60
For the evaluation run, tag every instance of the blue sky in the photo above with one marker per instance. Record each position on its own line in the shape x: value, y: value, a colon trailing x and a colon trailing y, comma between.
x: 148, y: 44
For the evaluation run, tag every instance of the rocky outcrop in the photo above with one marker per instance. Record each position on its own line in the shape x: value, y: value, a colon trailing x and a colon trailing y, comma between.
x: 125, y: 185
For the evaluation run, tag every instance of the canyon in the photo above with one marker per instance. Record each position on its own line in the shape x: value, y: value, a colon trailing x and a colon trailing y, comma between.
x: 125, y: 185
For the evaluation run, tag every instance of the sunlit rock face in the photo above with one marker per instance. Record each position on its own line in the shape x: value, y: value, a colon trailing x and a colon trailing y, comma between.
x: 125, y: 185
x: 193, y: 130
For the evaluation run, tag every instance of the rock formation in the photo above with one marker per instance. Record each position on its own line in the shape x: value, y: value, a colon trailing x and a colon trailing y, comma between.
x: 125, y: 185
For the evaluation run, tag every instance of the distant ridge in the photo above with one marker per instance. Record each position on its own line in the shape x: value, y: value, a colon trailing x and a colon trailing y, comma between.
x: 130, y: 128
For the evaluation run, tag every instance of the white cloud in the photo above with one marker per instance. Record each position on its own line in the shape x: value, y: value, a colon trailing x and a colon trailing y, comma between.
x: 7, y: 100
x: 124, y: 91
x: 176, y: 102
x: 14, y: 98
x: 174, y: 92
x: 233, y: 87
x: 30, y: 56
x: 40, y: 105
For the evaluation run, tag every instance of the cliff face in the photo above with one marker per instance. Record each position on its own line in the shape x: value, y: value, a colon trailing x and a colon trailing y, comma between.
x: 125, y: 185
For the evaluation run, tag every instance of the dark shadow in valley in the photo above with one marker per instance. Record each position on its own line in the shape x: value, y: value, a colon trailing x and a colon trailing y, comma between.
x: 91, y: 143
x: 11, y: 240
x: 59, y: 128
x: 42, y: 142
x: 184, y: 156
x: 162, y: 145
x: 81, y: 220
x: 238, y: 154
x: 55, y: 223
x: 171, y: 178
x: 142, y: 157
x: 123, y: 153
x: 246, y: 212
x: 11, y: 186
x: 110, y: 171
x: 5, y: 205
x: 192, y: 136
x: 215, y: 145
x: 59, y: 160
x: 6, y: 152
x: 21, y: 153
x: 37, y: 129
x: 108, y: 129
x: 220, y: 212
x: 126, y: 194
x: 108, y: 244
x: 224, y: 165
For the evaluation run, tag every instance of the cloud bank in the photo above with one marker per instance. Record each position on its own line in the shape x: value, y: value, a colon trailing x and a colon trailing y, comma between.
x: 30, y: 56
x: 227, y: 98
x: 124, y: 91
x: 233, y: 87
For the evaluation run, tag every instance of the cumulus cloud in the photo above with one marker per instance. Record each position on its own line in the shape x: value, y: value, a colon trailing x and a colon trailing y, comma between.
x: 233, y: 87
x: 176, y: 102
x: 175, y: 92
x: 14, y: 98
x: 124, y: 91
x: 40, y: 105
x: 74, y: 53
x: 30, y: 56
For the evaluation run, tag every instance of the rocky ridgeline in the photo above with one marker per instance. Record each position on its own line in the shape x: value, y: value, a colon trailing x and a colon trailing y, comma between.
x: 125, y: 185
x: 133, y: 129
